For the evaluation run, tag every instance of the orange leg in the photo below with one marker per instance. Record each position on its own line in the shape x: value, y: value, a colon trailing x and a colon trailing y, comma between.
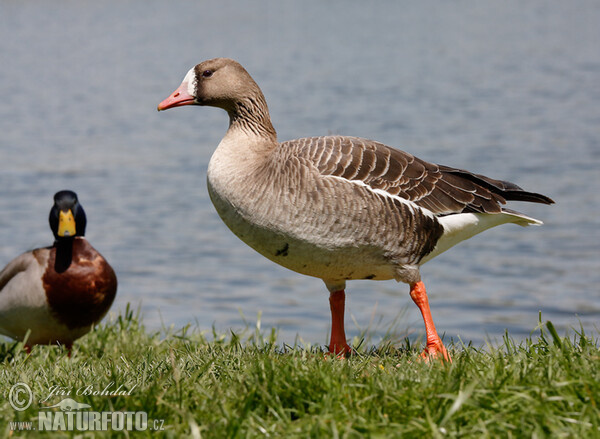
x: 434, y: 347
x: 337, y: 344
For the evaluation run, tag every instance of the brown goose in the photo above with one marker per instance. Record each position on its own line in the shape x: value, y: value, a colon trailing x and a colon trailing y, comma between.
x: 57, y: 292
x: 338, y: 208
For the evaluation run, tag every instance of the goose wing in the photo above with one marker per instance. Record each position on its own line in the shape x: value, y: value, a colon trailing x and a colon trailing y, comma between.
x: 440, y: 189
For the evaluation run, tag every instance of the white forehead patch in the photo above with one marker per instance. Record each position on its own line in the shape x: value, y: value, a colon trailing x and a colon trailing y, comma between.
x: 190, y: 80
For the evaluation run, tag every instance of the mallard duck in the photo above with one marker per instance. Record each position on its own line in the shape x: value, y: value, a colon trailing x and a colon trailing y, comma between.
x: 57, y: 293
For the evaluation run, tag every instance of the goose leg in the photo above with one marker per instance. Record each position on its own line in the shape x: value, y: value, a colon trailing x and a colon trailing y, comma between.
x: 337, y: 343
x: 434, y: 347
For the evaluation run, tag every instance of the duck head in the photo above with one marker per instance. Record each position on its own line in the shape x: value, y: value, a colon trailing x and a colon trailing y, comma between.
x: 67, y: 217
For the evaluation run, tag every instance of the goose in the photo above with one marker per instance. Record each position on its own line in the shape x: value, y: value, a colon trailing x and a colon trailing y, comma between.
x: 335, y: 207
x: 57, y: 293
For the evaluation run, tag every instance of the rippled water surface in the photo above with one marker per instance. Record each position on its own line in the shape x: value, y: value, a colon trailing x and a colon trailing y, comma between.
x: 510, y: 90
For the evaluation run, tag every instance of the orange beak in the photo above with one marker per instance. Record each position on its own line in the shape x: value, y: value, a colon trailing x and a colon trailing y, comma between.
x: 178, y: 98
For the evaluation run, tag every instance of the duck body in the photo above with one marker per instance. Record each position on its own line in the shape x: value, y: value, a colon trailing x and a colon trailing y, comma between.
x: 338, y: 207
x: 57, y: 293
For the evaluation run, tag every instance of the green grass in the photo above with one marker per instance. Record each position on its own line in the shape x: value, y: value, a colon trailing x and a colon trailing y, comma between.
x: 209, y: 385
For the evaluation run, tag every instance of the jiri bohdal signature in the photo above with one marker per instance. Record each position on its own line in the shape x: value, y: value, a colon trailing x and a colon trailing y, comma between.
x: 108, y: 390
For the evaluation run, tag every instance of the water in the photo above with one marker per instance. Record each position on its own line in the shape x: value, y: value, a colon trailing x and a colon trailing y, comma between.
x: 510, y: 90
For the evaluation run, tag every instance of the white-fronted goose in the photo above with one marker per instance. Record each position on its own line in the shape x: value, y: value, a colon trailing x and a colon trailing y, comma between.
x: 57, y: 292
x: 338, y: 208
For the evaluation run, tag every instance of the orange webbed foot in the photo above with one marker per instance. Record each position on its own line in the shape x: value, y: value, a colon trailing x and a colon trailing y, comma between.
x: 435, y: 348
x: 435, y: 351
x: 340, y: 350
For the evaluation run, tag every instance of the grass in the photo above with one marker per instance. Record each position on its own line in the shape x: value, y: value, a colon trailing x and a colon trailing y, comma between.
x: 212, y: 386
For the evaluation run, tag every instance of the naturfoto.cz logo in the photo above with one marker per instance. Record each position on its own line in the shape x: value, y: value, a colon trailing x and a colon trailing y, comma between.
x: 70, y: 415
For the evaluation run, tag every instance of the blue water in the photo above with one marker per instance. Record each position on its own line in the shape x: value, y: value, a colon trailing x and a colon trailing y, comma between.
x: 510, y: 90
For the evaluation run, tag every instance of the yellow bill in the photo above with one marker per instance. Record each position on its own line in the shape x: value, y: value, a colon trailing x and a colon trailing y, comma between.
x: 66, y: 223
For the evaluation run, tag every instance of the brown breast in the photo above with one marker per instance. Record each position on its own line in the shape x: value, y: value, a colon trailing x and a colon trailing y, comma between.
x: 83, y: 293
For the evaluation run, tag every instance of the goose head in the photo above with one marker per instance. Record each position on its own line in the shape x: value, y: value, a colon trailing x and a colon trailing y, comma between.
x: 219, y: 82
x: 224, y: 83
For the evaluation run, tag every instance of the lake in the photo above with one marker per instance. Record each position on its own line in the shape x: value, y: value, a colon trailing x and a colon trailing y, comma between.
x: 506, y: 89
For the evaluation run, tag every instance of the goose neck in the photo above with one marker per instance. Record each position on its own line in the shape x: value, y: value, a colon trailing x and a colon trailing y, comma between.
x: 251, y: 116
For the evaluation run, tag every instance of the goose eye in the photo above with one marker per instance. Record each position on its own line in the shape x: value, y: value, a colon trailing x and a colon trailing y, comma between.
x: 207, y: 73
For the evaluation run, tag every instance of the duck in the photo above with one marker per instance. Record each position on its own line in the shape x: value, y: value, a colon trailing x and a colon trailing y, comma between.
x: 54, y: 295
x: 335, y: 207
